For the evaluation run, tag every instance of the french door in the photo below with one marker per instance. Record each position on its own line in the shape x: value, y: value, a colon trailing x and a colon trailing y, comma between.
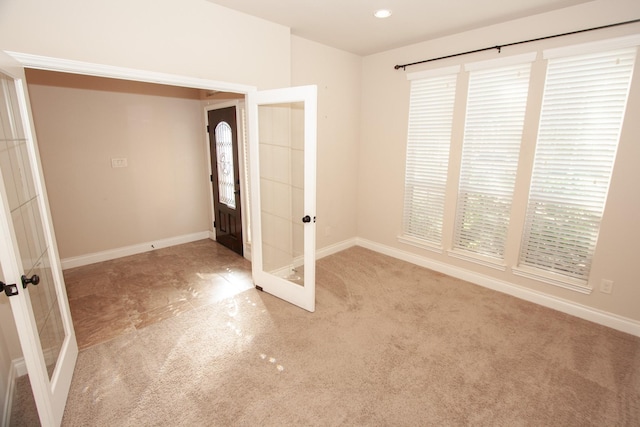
x: 30, y: 270
x: 282, y: 158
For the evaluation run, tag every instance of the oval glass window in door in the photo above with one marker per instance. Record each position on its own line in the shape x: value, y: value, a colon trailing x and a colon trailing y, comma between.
x: 224, y: 152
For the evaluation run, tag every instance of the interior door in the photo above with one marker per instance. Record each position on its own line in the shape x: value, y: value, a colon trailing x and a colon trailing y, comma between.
x: 282, y: 158
x: 30, y: 266
x: 225, y: 176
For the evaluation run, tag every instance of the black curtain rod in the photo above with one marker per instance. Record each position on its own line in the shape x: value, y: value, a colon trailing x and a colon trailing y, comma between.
x: 499, y: 47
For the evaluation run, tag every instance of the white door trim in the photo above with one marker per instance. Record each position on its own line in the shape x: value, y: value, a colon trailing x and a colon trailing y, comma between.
x: 110, y: 71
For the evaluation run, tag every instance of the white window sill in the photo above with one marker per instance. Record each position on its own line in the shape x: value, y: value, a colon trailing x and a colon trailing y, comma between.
x: 552, y: 279
x: 478, y: 259
x: 419, y: 243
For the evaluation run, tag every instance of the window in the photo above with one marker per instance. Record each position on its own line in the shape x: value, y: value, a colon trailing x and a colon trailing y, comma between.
x: 583, y: 103
x: 496, y: 104
x: 428, y: 142
x: 582, y: 113
x: 224, y: 154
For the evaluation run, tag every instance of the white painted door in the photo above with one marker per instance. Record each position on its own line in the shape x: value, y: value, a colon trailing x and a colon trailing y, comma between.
x: 28, y: 252
x: 282, y: 158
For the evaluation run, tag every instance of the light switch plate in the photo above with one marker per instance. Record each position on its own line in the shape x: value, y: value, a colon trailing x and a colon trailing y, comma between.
x: 119, y: 162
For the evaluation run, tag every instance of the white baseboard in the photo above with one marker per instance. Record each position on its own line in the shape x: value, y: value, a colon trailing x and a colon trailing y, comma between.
x: 335, y: 248
x: 320, y: 253
x: 247, y: 251
x: 601, y: 317
x: 17, y: 369
x: 87, y: 259
x: 611, y: 320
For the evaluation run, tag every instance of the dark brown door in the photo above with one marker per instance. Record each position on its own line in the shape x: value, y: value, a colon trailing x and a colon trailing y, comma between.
x: 223, y: 143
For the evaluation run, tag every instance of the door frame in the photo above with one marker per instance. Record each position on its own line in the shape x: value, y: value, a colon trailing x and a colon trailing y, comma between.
x: 108, y: 71
x: 242, y: 169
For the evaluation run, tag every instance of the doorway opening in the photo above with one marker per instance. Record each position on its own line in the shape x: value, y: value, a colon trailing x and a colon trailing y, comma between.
x: 82, y: 70
x: 288, y: 291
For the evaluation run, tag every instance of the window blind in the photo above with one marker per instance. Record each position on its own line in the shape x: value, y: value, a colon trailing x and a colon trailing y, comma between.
x: 496, y: 107
x: 429, y: 137
x: 583, y: 107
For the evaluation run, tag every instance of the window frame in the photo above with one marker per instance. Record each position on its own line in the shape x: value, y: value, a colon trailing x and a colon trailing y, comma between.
x: 498, y: 65
x: 545, y: 274
x: 421, y: 147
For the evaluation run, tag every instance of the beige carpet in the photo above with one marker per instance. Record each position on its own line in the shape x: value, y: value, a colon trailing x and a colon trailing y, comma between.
x: 390, y: 343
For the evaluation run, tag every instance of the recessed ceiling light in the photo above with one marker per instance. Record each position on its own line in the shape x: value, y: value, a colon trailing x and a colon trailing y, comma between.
x: 382, y: 13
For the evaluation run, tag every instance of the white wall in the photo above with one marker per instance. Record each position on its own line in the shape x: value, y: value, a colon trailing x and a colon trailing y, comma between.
x: 337, y: 74
x: 82, y: 123
x: 188, y: 37
x: 385, y: 94
x: 193, y: 38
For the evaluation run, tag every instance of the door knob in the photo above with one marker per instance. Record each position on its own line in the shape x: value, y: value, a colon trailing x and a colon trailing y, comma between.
x: 10, y: 290
x: 34, y: 280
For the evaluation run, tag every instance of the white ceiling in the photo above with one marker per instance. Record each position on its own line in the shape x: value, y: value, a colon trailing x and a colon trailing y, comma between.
x: 350, y: 25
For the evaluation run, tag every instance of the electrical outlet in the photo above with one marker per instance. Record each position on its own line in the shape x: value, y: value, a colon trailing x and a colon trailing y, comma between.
x: 606, y: 286
x: 119, y: 162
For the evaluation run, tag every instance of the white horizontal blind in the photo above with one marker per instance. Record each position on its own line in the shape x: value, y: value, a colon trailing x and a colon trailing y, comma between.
x: 429, y: 138
x: 582, y: 112
x: 493, y: 130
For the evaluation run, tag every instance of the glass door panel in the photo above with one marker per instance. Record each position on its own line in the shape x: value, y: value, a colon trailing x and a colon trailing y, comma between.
x: 27, y: 223
x: 28, y: 256
x: 283, y: 156
x: 282, y: 189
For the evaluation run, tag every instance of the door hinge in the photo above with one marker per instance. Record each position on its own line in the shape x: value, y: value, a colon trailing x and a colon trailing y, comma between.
x: 10, y: 290
x: 211, y: 178
x: 207, y: 128
x: 214, y: 224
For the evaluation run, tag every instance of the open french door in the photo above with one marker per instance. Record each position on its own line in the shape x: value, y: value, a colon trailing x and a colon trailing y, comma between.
x: 30, y: 268
x: 282, y: 158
